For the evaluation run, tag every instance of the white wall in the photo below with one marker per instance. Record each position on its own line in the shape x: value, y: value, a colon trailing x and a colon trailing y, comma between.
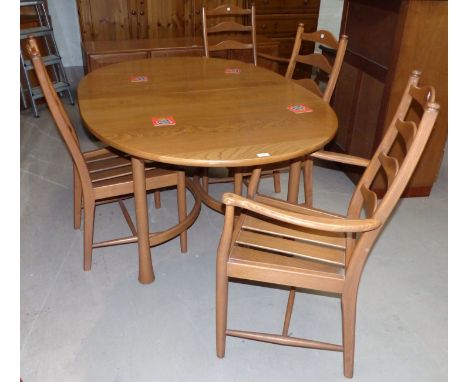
x: 330, y: 16
x: 64, y: 16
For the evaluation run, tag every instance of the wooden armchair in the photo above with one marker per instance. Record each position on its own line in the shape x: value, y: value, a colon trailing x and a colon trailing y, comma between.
x: 103, y: 175
x: 317, y: 61
x: 281, y: 243
x: 230, y: 28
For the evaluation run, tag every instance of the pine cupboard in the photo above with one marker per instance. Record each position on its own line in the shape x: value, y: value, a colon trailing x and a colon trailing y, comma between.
x: 387, y: 40
x: 113, y: 20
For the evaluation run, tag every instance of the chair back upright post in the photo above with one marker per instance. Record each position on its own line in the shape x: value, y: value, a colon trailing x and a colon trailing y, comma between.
x: 318, y: 60
x: 229, y: 27
x: 398, y: 174
x: 61, y: 118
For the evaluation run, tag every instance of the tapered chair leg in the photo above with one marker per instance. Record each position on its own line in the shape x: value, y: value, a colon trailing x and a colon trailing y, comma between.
x: 238, y: 179
x: 348, y: 311
x: 221, y: 312
x: 182, y: 208
x: 88, y: 234
x: 157, y: 199
x: 289, y: 308
x: 77, y: 199
x: 205, y: 179
x: 277, y: 181
x: 307, y: 171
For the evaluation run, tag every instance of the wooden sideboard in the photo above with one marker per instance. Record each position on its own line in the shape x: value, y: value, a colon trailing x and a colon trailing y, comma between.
x: 117, y: 20
x: 387, y: 40
x: 101, y: 53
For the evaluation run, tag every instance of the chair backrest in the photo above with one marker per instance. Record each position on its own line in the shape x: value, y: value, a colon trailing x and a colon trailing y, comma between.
x: 230, y: 27
x: 318, y: 60
x: 398, y: 173
x: 59, y: 114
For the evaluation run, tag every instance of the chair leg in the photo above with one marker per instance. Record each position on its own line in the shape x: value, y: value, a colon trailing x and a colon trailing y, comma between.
x: 348, y: 311
x: 221, y: 311
x: 182, y: 207
x: 238, y: 179
x: 289, y: 308
x: 308, y: 174
x: 77, y: 199
x: 205, y: 179
x: 157, y: 199
x: 88, y: 234
x: 277, y: 181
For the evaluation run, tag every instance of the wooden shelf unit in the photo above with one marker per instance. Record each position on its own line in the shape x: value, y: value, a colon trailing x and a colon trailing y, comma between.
x: 387, y: 40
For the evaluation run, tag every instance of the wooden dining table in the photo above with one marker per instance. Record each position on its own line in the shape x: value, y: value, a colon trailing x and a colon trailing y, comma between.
x: 201, y: 112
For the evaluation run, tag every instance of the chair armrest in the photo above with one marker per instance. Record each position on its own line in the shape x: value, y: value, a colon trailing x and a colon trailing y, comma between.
x: 307, y: 221
x: 273, y: 58
x: 340, y: 158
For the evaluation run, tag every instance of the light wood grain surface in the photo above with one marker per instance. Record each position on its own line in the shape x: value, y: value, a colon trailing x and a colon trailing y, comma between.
x: 222, y: 120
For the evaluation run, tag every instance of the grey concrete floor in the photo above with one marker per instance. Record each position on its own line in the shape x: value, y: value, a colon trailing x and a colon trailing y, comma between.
x: 103, y: 325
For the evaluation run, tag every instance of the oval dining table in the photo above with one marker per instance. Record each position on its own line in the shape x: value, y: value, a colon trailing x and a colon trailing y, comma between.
x: 225, y: 114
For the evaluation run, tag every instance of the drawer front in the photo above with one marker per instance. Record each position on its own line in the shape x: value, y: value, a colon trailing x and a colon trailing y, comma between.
x: 100, y: 60
x: 285, y: 25
x: 287, y: 6
x: 189, y: 52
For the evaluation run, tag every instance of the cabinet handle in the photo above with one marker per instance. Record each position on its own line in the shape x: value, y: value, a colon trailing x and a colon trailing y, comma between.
x: 133, y: 12
x: 142, y: 13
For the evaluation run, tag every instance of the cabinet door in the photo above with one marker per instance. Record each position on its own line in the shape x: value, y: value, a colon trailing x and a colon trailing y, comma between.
x: 104, y: 19
x: 138, y: 18
x: 169, y: 18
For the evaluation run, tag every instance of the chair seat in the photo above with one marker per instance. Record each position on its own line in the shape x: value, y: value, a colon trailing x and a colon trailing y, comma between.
x: 270, y: 251
x: 111, y: 174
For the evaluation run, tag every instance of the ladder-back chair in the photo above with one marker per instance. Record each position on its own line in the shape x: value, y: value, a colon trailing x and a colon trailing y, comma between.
x: 103, y: 175
x: 317, y: 61
x: 282, y: 243
x: 230, y: 28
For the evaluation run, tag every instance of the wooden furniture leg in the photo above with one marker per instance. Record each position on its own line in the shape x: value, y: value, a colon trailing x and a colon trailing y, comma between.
x: 294, y: 180
x: 238, y: 178
x: 182, y: 206
x: 348, y: 312
x: 308, y: 175
x: 293, y: 196
x: 253, y: 182
x: 157, y: 199
x: 277, y: 181
x: 287, y: 316
x: 77, y: 199
x: 89, y: 209
x: 146, y: 274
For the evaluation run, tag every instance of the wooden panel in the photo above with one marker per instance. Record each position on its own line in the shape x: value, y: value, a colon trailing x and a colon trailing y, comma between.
x: 285, y: 25
x: 371, y: 28
x: 109, y: 19
x: 344, y: 92
x: 100, y: 60
x: 366, y: 117
x: 430, y: 55
x: 287, y: 6
x: 168, y: 18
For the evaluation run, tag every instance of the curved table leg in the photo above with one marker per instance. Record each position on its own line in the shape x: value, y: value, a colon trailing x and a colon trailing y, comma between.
x: 145, y: 271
